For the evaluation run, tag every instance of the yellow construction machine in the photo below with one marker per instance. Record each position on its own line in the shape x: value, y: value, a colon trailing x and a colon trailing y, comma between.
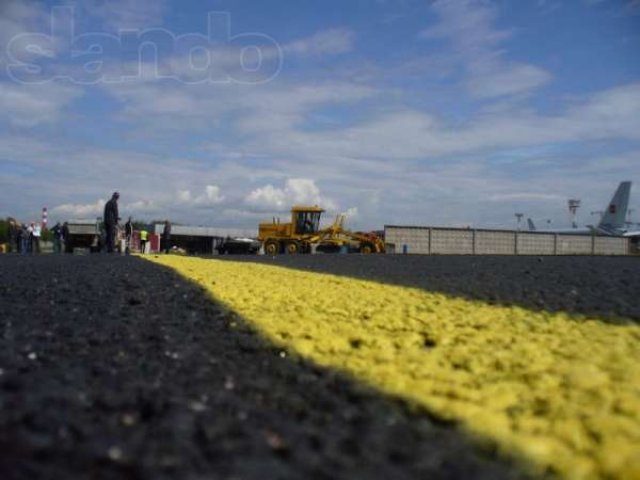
x: 304, y: 235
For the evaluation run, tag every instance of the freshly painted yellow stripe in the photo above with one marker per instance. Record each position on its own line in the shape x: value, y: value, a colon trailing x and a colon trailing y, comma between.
x: 560, y: 392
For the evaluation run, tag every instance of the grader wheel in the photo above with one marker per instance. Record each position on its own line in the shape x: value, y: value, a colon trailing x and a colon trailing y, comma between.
x: 366, y: 248
x: 271, y: 247
x: 292, y: 248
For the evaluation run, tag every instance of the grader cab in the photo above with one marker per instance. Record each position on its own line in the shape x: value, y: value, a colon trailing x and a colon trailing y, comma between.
x: 303, y: 235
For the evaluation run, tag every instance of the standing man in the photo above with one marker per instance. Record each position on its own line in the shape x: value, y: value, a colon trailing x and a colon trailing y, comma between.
x: 66, y: 243
x: 30, y: 237
x: 37, y: 233
x: 22, y: 239
x: 57, y: 238
x: 143, y: 240
x: 111, y: 220
x: 128, y: 232
x: 13, y: 236
x: 166, y: 236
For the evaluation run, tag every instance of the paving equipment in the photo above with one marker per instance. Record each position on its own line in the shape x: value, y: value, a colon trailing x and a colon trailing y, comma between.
x: 304, y: 235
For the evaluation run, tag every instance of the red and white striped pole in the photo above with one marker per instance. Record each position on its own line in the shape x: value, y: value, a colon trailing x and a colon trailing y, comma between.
x: 45, y: 218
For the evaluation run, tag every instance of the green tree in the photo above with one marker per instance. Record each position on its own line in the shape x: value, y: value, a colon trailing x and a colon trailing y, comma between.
x: 46, y: 235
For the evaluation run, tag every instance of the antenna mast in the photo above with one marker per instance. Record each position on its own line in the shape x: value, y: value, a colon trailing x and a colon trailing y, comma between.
x: 519, y: 218
x: 574, y: 204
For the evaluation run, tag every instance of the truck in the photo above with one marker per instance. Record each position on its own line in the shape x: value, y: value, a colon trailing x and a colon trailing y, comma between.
x: 83, y: 234
x: 238, y: 246
x: 304, y: 235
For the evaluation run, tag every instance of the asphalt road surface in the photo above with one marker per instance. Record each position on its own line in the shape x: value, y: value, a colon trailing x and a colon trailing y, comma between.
x: 112, y: 367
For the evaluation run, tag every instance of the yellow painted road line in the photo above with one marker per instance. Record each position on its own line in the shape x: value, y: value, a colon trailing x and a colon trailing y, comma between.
x: 560, y: 392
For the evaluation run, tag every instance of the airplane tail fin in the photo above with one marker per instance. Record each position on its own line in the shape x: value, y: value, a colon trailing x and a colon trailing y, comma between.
x: 532, y: 227
x: 616, y: 212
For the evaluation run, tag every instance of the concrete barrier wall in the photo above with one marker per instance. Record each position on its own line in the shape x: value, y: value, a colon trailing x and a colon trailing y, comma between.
x: 495, y: 243
x: 536, y: 243
x: 463, y: 241
x: 449, y: 242
x: 610, y: 246
x: 574, y: 245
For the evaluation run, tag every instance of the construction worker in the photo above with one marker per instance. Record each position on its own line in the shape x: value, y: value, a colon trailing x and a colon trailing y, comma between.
x: 143, y: 240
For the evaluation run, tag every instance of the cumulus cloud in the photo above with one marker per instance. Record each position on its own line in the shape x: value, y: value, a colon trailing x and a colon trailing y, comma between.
x: 327, y: 42
x: 30, y: 105
x: 468, y: 25
x: 18, y: 17
x: 296, y: 191
x: 492, y: 79
x: 127, y: 14
x: 351, y: 212
x: 525, y: 196
x: 211, y: 196
x: 411, y: 134
x: 78, y: 211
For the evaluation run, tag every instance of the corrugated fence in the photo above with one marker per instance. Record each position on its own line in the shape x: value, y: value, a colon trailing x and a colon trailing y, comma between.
x: 465, y: 241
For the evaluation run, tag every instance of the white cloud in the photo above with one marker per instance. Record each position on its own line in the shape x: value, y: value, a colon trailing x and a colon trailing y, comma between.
x: 183, y: 196
x: 140, y: 207
x: 525, y: 196
x: 296, y: 191
x: 17, y: 17
x: 251, y: 109
x: 210, y: 197
x: 30, y: 105
x: 410, y: 134
x: 468, y: 23
x: 351, y: 213
x: 327, y: 42
x: 153, y: 204
x: 78, y: 211
x: 280, y: 109
x: 494, y: 79
x: 468, y: 26
x: 127, y: 14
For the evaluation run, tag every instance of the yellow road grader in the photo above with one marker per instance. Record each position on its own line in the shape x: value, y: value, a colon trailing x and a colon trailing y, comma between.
x: 304, y: 235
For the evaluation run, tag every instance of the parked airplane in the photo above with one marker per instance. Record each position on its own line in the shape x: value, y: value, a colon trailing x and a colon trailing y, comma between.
x: 613, y: 221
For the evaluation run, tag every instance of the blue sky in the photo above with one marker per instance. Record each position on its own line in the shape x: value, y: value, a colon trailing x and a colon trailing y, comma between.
x: 448, y: 112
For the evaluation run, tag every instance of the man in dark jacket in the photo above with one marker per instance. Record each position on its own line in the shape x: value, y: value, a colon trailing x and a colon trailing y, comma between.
x: 66, y: 241
x: 166, y: 236
x: 13, y: 236
x: 57, y: 238
x: 111, y: 220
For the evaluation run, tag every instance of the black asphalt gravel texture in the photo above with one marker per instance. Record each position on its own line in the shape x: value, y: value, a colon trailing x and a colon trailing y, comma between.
x: 607, y: 288
x: 112, y: 367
